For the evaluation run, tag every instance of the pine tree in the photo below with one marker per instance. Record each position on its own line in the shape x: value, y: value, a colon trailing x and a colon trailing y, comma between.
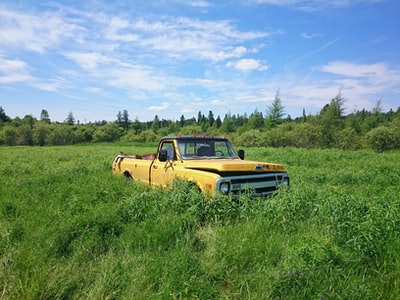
x: 70, y: 120
x: 125, y: 119
x: 275, y: 111
x: 44, y: 116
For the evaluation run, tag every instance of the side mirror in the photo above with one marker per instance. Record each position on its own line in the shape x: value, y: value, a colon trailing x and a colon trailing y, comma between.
x: 163, y: 155
x: 241, y: 154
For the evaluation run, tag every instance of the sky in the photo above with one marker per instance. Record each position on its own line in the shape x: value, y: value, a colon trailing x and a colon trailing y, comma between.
x: 177, y: 57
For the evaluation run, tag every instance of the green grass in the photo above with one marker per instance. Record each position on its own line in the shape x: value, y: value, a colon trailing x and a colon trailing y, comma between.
x: 70, y: 229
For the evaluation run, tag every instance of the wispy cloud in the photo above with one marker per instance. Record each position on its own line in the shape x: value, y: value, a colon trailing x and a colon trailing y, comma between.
x: 12, y: 65
x: 51, y: 85
x: 378, y: 76
x: 36, y: 32
x: 14, y: 71
x: 309, y: 36
x: 118, y: 30
x: 88, y: 61
x: 75, y: 35
x: 195, y: 39
x: 379, y: 39
x: 314, y: 5
x: 317, y: 50
x: 178, y: 38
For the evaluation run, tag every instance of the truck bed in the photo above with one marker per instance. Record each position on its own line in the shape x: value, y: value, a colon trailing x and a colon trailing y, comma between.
x: 150, y: 156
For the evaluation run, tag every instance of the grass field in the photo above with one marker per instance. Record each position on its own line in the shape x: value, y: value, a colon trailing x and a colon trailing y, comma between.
x: 70, y: 229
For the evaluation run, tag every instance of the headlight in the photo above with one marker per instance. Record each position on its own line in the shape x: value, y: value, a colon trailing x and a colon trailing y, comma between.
x: 224, y: 188
x: 285, y: 181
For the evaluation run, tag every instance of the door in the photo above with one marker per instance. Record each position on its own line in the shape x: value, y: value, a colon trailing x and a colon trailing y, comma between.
x: 162, y: 172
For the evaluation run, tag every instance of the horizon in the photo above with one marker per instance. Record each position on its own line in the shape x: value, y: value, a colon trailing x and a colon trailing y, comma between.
x: 78, y: 121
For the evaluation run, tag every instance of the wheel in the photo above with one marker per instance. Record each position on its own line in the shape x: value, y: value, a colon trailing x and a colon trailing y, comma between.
x: 128, y: 176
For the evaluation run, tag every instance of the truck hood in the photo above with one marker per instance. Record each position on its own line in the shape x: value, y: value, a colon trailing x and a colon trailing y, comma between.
x: 233, y: 166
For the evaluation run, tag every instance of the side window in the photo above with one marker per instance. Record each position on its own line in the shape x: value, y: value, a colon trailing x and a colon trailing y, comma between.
x: 169, y: 146
x: 220, y: 149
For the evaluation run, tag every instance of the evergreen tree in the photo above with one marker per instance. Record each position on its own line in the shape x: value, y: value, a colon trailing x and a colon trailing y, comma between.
x: 211, y: 119
x: 70, y: 120
x: 137, y: 126
x: 119, y: 118
x: 378, y: 107
x: 331, y: 118
x: 3, y: 117
x: 199, y: 117
x: 256, y: 120
x: 156, y: 124
x: 218, y: 122
x: 125, y: 119
x: 228, y: 125
x: 182, y: 121
x: 275, y: 111
x: 44, y: 116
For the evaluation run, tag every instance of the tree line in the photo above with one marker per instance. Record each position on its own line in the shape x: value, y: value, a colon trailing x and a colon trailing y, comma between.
x: 330, y: 128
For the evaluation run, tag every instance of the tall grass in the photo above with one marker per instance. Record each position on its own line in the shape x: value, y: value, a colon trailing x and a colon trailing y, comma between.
x: 70, y: 229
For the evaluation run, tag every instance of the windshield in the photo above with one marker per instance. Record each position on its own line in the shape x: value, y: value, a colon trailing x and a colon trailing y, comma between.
x: 201, y: 149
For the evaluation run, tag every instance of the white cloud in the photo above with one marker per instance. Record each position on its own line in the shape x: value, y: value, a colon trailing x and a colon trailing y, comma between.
x: 135, y: 78
x: 198, y: 3
x: 158, y: 108
x: 247, y: 65
x: 231, y: 53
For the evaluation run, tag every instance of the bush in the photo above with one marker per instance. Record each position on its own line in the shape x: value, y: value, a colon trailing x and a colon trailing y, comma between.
x: 108, y: 133
x: 348, y: 139
x: 251, y: 138
x: 381, y: 138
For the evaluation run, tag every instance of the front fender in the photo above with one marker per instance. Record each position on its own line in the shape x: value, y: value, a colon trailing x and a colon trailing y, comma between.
x: 206, y: 181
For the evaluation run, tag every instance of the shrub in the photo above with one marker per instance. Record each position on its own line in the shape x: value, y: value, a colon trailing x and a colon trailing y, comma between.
x: 381, y: 138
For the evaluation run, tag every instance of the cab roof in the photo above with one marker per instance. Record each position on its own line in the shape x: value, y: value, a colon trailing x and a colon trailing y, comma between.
x: 194, y: 137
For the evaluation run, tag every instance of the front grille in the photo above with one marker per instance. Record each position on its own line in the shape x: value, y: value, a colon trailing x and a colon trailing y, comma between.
x: 263, y: 184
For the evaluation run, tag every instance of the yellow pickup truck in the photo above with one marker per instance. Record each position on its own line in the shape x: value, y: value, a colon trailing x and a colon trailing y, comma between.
x: 209, y: 162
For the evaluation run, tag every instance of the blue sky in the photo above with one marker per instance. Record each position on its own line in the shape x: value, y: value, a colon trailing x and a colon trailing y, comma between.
x: 177, y: 57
